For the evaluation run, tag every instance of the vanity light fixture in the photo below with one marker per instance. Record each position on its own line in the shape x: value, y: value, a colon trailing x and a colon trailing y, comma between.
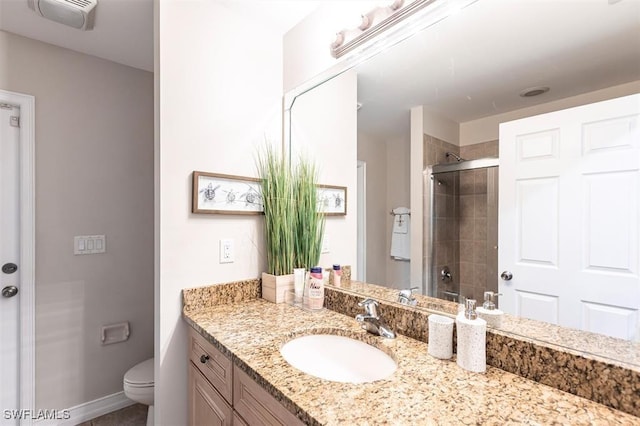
x: 417, y: 13
x: 533, y: 91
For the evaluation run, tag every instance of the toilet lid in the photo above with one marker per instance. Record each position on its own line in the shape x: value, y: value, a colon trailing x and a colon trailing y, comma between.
x: 140, y: 374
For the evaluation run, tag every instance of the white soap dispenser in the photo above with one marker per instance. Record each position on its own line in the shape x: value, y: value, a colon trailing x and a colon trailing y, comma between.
x: 472, y: 339
x: 488, y: 311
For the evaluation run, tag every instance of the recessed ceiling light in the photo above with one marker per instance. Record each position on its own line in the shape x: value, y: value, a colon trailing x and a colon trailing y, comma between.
x: 534, y: 91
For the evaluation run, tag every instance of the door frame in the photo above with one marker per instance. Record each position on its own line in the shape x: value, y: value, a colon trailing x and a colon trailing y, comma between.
x: 27, y: 246
x: 362, y: 220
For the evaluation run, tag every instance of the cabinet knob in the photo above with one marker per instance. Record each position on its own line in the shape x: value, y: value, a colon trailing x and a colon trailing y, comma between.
x: 204, y: 359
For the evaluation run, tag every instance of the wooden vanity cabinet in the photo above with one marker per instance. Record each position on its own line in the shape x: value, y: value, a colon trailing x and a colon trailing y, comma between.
x: 222, y: 394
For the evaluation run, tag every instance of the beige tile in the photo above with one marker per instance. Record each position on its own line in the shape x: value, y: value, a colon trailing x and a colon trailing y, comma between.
x: 480, y: 205
x: 467, y: 182
x: 134, y: 415
x: 479, y: 252
x: 466, y: 205
x: 480, y: 229
x: 480, y: 276
x: 466, y: 273
x: 466, y: 250
x: 466, y: 228
x: 480, y: 181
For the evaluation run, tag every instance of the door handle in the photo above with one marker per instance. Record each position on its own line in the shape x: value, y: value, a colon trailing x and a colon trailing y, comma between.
x: 506, y: 275
x: 10, y: 291
x: 9, y: 268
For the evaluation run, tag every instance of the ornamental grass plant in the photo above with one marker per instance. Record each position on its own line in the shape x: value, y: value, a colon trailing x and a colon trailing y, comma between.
x: 293, y: 226
x: 279, y: 222
x: 308, y: 222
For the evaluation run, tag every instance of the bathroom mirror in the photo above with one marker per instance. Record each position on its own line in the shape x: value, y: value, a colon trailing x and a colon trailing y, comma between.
x: 474, y: 65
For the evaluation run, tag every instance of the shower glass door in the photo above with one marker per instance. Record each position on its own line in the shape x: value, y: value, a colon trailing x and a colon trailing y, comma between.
x: 464, y: 230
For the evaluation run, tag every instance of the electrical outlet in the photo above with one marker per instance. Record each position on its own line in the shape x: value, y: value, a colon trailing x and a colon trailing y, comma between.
x: 325, y: 244
x: 226, y: 251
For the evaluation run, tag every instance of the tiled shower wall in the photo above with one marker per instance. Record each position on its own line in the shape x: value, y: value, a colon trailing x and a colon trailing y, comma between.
x: 478, y: 248
x: 445, y: 238
x: 464, y: 240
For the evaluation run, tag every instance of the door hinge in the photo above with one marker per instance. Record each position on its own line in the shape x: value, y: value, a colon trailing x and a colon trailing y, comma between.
x: 14, y: 121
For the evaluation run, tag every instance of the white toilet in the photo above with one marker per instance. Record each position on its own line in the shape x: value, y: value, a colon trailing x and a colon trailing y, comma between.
x: 139, y: 384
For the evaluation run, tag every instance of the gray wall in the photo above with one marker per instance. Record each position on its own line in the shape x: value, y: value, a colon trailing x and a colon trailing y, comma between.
x: 94, y: 175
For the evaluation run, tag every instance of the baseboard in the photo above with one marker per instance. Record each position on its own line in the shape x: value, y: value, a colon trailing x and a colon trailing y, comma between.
x: 88, y: 410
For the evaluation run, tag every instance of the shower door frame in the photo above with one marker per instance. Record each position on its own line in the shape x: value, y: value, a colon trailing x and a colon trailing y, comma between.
x: 481, y: 163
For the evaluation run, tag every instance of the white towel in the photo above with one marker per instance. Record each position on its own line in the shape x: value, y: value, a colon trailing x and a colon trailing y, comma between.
x: 400, y: 234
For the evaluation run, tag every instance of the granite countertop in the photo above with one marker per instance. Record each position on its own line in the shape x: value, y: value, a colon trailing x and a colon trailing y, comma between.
x: 423, y: 390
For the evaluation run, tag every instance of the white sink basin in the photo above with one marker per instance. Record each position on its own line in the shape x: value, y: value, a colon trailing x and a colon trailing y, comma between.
x: 338, y: 358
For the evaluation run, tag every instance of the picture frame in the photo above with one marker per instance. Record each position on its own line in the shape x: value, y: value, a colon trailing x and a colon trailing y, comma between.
x: 216, y: 193
x: 332, y: 200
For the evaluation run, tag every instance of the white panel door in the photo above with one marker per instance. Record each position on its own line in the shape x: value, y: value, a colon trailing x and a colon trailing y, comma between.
x: 569, y: 217
x: 9, y: 253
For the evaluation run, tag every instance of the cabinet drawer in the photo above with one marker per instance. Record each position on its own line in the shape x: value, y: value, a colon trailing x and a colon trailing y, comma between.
x: 206, y: 405
x: 215, y: 366
x: 256, y: 406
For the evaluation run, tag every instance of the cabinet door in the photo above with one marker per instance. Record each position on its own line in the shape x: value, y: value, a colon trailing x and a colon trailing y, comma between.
x: 237, y: 420
x: 215, y: 366
x: 256, y: 406
x: 206, y: 405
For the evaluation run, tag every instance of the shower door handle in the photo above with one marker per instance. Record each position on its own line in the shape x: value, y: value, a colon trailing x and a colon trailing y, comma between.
x: 506, y: 275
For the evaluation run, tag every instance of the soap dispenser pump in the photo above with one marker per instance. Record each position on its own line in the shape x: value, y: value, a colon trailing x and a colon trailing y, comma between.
x: 471, y: 339
x: 488, y: 311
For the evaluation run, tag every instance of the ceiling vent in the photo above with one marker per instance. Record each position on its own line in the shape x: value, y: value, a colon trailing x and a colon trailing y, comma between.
x: 78, y: 14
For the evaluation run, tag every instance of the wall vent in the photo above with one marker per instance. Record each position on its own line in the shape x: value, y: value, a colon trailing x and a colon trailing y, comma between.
x: 78, y: 14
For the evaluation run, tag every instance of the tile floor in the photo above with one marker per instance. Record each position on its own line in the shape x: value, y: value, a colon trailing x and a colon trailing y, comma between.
x: 134, y: 415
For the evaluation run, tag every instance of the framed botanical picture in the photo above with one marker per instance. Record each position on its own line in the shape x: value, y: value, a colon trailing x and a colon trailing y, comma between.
x: 215, y: 193
x: 332, y: 200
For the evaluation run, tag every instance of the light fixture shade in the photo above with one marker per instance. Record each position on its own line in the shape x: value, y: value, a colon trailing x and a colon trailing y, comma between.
x: 78, y: 14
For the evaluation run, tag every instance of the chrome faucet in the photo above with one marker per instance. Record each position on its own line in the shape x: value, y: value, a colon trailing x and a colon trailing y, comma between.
x: 372, y: 322
x: 406, y: 296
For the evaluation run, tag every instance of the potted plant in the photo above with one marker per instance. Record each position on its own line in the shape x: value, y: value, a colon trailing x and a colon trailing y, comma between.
x: 293, y: 227
x: 308, y: 222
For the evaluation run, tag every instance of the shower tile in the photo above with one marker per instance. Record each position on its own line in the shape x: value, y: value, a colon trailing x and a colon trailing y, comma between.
x: 466, y: 273
x: 441, y: 201
x: 479, y: 252
x: 480, y: 205
x: 480, y: 229
x: 466, y: 205
x: 480, y: 181
x: 466, y: 250
x: 480, y: 276
x: 467, y: 182
x: 466, y: 228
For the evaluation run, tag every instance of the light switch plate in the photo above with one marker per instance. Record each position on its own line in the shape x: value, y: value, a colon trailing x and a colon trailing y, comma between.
x: 89, y: 244
x: 325, y: 244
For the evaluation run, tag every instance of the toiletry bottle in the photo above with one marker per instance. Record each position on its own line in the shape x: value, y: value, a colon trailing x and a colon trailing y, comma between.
x: 315, y: 293
x: 488, y: 311
x: 472, y: 339
x: 299, y: 275
x: 337, y: 275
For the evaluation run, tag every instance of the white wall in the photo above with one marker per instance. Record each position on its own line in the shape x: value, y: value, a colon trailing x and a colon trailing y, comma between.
x: 398, y: 195
x: 486, y: 129
x: 94, y: 175
x: 373, y: 151
x: 219, y: 82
